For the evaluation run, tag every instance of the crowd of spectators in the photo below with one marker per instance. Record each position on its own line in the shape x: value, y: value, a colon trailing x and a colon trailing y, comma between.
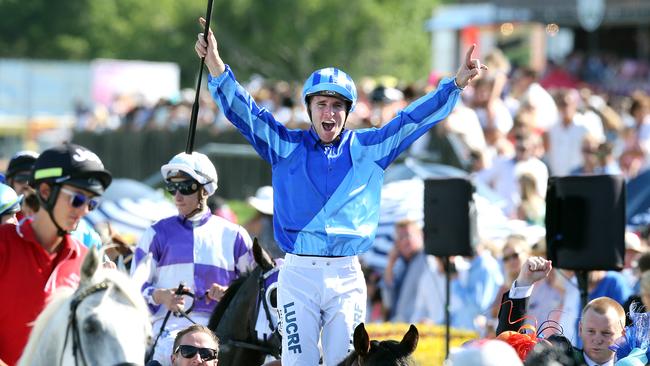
x: 518, y: 126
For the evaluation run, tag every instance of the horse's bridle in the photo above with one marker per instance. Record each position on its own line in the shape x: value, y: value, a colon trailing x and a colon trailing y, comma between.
x: 274, y: 330
x: 77, y: 349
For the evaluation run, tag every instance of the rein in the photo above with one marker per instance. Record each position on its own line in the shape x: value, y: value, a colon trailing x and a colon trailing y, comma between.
x: 72, y: 321
x: 77, y: 349
x: 179, y: 291
x: 262, y: 297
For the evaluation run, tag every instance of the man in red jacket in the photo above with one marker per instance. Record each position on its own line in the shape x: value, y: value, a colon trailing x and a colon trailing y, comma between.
x: 38, y: 256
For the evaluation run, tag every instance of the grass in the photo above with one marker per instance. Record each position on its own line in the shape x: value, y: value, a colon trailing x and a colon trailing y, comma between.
x: 242, y: 209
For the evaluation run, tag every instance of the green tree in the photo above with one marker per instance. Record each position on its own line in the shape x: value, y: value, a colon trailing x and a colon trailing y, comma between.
x: 288, y: 39
x: 283, y: 39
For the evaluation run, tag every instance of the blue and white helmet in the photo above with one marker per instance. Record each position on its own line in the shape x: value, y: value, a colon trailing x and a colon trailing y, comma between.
x: 9, y: 200
x: 333, y: 82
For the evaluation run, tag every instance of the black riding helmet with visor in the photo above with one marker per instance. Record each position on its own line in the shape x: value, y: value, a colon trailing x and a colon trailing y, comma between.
x: 20, y: 166
x: 72, y: 165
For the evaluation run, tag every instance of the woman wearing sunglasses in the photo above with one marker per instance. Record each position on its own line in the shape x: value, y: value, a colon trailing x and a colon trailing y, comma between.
x: 38, y: 255
x: 201, y: 250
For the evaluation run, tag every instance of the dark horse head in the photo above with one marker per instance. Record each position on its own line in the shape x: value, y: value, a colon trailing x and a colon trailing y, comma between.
x: 384, y: 353
x: 247, y: 307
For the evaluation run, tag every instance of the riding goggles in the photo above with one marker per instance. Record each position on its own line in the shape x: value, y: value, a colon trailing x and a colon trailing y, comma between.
x: 79, y: 199
x: 21, y: 178
x: 186, y: 187
x: 188, y: 351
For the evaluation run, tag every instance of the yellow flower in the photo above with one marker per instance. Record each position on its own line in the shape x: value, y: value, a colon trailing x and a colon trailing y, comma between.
x: 431, y: 346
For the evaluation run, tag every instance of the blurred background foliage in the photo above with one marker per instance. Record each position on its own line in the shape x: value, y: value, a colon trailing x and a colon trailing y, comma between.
x: 279, y: 39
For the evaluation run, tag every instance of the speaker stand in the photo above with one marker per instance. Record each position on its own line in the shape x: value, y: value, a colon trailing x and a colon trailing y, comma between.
x: 447, y: 304
x: 583, y: 286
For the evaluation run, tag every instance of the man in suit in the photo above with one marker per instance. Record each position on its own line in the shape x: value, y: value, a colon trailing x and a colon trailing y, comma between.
x: 602, y: 320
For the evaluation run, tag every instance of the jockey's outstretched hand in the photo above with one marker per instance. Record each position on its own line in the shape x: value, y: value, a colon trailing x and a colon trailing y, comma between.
x: 209, y: 50
x: 216, y: 292
x: 534, y: 269
x: 169, y: 299
x: 469, y: 69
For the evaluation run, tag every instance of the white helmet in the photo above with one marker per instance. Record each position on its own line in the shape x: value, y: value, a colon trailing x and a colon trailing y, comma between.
x: 196, y: 165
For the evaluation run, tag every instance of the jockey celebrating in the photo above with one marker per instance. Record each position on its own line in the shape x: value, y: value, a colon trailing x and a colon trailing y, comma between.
x: 327, y: 184
x: 203, y: 251
x: 38, y: 255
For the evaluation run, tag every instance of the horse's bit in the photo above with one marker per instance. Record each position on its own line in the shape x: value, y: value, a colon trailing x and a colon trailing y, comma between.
x: 72, y: 324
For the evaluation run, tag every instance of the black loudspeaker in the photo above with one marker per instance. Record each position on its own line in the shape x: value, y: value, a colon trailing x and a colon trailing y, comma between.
x: 449, y: 217
x: 585, y: 222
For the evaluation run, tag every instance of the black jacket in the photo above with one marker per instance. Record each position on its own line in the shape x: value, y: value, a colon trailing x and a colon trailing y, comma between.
x: 511, y: 317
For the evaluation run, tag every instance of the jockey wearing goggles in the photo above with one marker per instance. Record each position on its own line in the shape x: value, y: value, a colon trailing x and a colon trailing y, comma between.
x: 327, y: 185
x: 202, y: 250
x: 68, y: 180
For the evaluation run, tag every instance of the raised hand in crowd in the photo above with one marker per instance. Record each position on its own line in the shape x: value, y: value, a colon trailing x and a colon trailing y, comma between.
x: 534, y: 269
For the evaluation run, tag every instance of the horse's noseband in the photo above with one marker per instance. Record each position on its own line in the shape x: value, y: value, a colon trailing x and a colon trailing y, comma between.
x: 80, y: 296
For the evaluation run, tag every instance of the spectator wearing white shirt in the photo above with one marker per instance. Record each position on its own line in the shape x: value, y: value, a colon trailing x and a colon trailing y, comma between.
x: 504, y: 175
x: 564, y: 139
x: 525, y: 89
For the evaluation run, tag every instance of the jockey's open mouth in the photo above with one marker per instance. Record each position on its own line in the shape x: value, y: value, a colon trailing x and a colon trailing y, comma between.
x: 328, y: 126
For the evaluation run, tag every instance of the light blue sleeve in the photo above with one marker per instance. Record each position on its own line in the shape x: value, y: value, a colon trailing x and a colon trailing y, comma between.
x: 385, y: 144
x: 269, y: 138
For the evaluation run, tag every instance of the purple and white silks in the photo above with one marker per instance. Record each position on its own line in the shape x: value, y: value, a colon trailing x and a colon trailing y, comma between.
x: 196, y: 252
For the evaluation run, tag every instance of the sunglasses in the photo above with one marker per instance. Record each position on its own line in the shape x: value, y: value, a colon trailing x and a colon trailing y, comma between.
x: 21, y: 178
x: 507, y: 258
x: 185, y: 187
x: 78, y: 199
x: 188, y: 351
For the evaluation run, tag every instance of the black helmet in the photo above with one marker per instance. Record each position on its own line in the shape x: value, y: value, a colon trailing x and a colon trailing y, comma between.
x: 74, y: 165
x: 22, y: 161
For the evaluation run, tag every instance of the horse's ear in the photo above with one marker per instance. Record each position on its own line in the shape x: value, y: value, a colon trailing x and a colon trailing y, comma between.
x: 262, y: 258
x: 361, y: 340
x: 90, y: 264
x: 410, y: 340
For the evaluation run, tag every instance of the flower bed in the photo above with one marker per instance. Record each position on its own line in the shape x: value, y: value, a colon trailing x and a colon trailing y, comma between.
x: 431, y: 346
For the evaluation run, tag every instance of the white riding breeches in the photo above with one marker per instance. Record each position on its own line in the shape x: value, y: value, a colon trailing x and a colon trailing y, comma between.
x: 317, y: 294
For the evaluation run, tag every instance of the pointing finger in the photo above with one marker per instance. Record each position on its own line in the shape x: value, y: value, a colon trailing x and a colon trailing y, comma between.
x: 468, y: 56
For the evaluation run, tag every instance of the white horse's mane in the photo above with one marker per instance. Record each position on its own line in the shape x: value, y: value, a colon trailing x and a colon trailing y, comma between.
x: 55, y: 302
x: 62, y: 298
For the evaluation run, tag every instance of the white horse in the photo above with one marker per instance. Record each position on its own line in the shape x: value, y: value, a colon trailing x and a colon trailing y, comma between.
x: 104, y: 322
